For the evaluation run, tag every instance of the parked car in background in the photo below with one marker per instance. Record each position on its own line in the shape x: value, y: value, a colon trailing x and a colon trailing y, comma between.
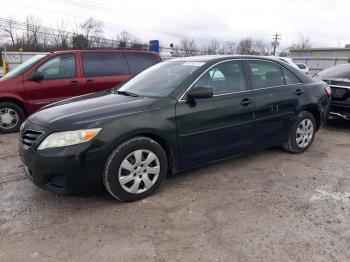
x: 287, y: 60
x: 338, y: 77
x: 48, y: 78
x: 171, y: 117
x: 304, y: 68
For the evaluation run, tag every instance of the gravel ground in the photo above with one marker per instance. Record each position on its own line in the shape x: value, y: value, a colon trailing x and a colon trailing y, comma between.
x: 266, y: 206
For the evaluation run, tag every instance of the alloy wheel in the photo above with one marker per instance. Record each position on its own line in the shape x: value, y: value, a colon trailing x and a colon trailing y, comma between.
x: 139, y: 171
x: 305, y: 132
x: 8, y: 118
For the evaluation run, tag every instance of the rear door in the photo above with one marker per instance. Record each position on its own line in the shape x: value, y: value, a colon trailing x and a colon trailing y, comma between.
x: 103, y: 70
x: 60, y: 81
x: 140, y: 61
x: 278, y: 96
x: 212, y: 127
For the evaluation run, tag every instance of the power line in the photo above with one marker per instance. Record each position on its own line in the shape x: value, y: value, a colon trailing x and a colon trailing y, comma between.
x: 94, y: 6
x: 24, y: 26
x: 100, y: 41
x: 90, y: 5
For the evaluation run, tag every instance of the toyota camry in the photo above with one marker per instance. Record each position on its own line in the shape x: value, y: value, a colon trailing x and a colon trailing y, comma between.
x: 174, y: 116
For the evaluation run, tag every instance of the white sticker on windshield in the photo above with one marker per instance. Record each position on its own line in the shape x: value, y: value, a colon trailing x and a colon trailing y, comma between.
x: 194, y: 63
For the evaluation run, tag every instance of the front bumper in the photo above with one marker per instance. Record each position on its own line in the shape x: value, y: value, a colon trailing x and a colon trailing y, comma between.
x: 68, y: 170
x: 342, y: 115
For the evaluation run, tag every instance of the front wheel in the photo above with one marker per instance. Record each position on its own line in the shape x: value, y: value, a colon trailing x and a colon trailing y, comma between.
x: 11, y: 117
x: 302, y: 134
x: 135, y: 169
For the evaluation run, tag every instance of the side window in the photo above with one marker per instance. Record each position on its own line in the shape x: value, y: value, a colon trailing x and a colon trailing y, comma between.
x: 104, y: 64
x: 58, y: 67
x: 227, y: 77
x: 139, y: 62
x: 266, y: 74
x: 289, y: 78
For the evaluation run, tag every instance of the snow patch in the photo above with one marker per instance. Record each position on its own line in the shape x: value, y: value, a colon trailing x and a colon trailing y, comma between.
x: 324, y: 193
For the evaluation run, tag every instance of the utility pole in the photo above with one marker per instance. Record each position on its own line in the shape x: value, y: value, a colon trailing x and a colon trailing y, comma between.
x: 275, y: 42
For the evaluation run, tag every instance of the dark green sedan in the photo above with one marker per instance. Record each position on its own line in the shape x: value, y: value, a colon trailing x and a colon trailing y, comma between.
x: 176, y: 115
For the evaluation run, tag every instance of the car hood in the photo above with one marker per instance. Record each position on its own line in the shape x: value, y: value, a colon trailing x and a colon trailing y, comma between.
x: 88, y: 110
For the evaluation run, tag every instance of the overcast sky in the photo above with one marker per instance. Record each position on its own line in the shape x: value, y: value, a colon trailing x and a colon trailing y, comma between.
x: 325, y: 22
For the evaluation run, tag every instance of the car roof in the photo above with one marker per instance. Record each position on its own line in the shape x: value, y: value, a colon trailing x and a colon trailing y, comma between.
x: 284, y: 58
x: 214, y: 58
x: 105, y: 50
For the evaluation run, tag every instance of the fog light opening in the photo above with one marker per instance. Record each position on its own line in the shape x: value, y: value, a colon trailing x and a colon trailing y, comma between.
x: 57, y: 181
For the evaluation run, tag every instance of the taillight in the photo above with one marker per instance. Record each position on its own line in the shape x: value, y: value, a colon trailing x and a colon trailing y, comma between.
x: 328, y: 90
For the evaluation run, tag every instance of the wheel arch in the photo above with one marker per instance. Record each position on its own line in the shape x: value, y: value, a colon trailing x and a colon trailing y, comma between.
x: 316, y: 113
x: 16, y: 101
x: 160, y: 139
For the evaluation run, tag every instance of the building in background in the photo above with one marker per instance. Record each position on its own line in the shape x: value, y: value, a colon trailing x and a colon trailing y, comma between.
x: 318, y: 59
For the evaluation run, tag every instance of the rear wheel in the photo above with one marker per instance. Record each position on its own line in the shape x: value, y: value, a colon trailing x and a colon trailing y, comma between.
x: 302, y: 134
x: 135, y: 169
x: 11, y: 117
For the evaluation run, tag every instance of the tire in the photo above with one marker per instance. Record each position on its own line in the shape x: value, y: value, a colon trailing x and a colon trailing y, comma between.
x: 302, y: 133
x: 11, y: 117
x: 130, y: 174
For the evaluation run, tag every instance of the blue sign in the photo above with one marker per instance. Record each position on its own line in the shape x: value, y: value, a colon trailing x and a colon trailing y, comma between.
x: 154, y: 46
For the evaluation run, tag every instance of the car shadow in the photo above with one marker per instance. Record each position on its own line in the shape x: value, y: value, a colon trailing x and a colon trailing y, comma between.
x: 338, y: 124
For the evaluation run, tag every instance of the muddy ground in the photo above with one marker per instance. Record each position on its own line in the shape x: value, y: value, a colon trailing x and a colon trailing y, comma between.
x: 266, y: 206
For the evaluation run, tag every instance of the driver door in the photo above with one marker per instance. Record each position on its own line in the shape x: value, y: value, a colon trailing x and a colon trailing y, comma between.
x: 60, y: 81
x: 211, y: 128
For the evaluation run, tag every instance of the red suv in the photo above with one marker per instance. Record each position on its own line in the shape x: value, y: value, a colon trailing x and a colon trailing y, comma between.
x: 48, y: 78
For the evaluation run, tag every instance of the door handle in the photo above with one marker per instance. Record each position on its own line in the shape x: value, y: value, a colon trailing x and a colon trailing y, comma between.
x: 89, y: 81
x: 298, y: 92
x: 246, y: 102
x: 74, y: 82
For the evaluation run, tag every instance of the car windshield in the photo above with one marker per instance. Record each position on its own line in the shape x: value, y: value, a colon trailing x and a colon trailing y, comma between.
x: 339, y: 71
x: 160, y: 80
x: 23, y: 67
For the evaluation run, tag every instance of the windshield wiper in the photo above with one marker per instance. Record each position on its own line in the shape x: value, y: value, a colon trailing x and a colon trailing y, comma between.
x: 127, y: 93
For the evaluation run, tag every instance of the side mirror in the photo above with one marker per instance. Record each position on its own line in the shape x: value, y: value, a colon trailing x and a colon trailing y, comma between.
x: 200, y: 92
x: 36, y: 76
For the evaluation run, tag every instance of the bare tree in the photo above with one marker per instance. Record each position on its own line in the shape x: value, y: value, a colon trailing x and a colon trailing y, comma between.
x: 228, y: 47
x: 127, y: 40
x: 188, y: 47
x: 45, y: 41
x: 212, y: 48
x: 250, y: 46
x: 124, y: 39
x: 8, y: 30
x: 80, y: 42
x: 33, y: 31
x: 304, y: 43
x: 260, y: 47
x: 245, y: 46
x: 62, y: 37
x: 92, y: 30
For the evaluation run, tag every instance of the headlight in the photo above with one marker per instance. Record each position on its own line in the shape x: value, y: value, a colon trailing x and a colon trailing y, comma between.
x: 68, y: 138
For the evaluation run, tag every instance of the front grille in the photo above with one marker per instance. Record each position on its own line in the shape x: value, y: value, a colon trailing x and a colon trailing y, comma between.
x: 28, y: 137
